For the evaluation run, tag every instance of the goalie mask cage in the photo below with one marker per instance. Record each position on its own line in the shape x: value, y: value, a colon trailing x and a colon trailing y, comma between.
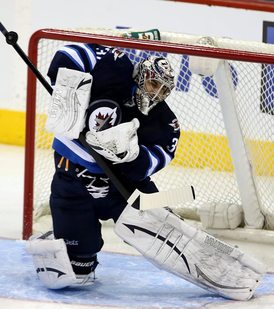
x: 226, y: 148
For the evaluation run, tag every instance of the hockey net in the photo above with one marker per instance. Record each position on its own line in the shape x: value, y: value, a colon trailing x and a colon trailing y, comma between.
x: 227, y: 158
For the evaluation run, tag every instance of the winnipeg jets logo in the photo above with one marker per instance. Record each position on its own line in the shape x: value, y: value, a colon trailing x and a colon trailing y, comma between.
x: 164, y: 68
x: 117, y: 54
x: 103, y: 121
x: 104, y: 114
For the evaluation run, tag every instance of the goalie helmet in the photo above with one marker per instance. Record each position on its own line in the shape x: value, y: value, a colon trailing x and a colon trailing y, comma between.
x: 155, y: 80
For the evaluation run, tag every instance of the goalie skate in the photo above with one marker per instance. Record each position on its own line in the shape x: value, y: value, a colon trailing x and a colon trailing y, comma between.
x: 52, y: 263
x: 177, y: 247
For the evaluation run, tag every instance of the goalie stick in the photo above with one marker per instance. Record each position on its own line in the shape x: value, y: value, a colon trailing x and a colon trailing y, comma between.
x: 137, y: 199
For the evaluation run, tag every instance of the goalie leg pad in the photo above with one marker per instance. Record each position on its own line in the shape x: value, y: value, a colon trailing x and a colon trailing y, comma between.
x: 177, y: 247
x: 52, y: 263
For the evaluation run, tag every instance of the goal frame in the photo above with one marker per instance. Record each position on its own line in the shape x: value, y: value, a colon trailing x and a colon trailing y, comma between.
x: 73, y: 36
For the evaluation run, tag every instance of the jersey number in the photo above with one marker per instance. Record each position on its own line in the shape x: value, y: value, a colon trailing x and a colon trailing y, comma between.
x: 173, y: 146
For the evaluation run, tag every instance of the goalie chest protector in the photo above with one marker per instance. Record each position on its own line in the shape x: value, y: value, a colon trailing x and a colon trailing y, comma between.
x: 111, y: 103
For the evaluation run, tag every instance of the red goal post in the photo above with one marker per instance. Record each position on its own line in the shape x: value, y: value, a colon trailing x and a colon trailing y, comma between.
x: 207, y: 156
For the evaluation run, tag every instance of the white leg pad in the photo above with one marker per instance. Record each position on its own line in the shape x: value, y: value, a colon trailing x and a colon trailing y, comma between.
x: 52, y: 263
x: 177, y: 247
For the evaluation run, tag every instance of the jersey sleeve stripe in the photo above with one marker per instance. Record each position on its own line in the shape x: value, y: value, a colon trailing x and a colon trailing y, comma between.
x: 153, y: 161
x: 166, y: 156
x: 90, y: 55
x: 74, y: 56
x: 85, y: 161
x: 75, y: 148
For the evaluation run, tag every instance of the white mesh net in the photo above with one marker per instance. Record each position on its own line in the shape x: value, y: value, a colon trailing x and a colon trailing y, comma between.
x: 203, y: 157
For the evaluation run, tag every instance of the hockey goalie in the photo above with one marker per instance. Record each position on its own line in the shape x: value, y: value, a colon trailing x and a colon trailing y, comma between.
x: 121, y: 110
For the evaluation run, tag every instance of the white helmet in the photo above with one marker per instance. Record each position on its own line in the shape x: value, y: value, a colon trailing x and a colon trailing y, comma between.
x: 155, y: 79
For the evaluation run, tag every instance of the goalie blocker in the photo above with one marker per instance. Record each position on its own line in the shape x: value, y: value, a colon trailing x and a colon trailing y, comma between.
x: 68, y: 104
x: 179, y: 248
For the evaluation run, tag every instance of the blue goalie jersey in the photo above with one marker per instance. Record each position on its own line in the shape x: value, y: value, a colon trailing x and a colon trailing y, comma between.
x: 112, y: 103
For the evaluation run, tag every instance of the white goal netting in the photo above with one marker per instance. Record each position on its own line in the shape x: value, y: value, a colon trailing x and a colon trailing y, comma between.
x: 203, y: 157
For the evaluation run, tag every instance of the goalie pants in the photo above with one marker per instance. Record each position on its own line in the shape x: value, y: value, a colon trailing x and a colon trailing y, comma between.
x: 76, y: 213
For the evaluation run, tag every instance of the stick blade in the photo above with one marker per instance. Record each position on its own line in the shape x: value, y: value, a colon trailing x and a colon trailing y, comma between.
x: 170, y: 198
